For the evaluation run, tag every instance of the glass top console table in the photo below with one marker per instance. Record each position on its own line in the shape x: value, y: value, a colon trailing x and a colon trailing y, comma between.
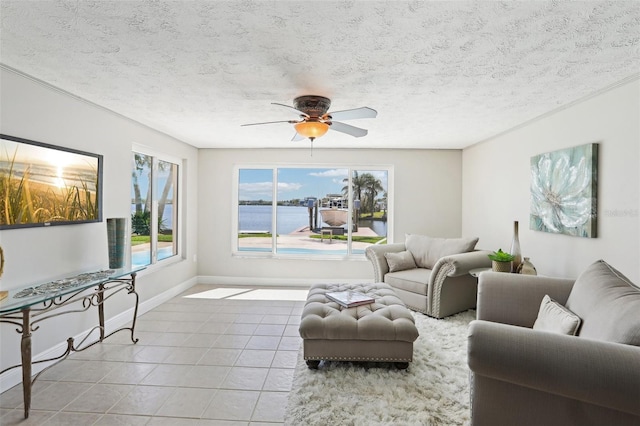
x: 28, y: 306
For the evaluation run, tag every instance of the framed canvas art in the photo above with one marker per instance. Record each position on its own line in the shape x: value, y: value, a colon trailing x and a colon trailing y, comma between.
x: 564, y: 191
x: 44, y: 185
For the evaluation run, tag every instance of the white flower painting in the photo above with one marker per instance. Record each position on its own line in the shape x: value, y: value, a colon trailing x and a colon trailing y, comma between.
x: 563, y: 191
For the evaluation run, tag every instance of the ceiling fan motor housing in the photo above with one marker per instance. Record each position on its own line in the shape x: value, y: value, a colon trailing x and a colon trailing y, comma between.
x: 312, y: 105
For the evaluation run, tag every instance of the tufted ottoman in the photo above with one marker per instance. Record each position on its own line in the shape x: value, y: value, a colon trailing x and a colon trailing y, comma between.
x: 383, y: 331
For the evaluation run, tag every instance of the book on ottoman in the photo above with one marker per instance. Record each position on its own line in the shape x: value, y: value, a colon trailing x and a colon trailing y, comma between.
x: 349, y: 299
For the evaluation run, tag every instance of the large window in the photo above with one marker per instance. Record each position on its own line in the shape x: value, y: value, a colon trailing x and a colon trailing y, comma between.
x: 154, y: 209
x: 295, y: 211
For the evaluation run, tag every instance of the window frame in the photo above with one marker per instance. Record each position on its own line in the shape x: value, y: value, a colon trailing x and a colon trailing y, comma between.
x: 178, y: 230
x: 274, y: 254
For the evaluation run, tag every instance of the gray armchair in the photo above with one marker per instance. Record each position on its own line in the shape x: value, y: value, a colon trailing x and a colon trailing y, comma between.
x: 524, y: 376
x: 434, y: 276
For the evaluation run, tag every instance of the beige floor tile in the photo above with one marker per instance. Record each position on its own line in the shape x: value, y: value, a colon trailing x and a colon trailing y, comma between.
x: 142, y: 400
x: 231, y: 341
x: 176, y: 421
x: 187, y: 402
x: 275, y: 319
x: 245, y: 378
x: 263, y: 342
x: 232, y: 405
x: 124, y: 352
x: 220, y: 356
x: 16, y: 417
x: 129, y: 373
x: 225, y: 360
x: 212, y: 327
x: 279, y: 379
x: 220, y: 317
x: 122, y: 420
x: 285, y: 359
x: 241, y: 328
x: 152, y: 325
x: 294, y: 320
x: 62, y: 369
x: 167, y: 375
x: 66, y: 419
x: 13, y: 398
x: 290, y: 343
x: 185, y: 356
x: 201, y: 340
x: 172, y: 339
x: 99, y: 398
x: 91, y: 371
x: 153, y: 354
x: 58, y: 396
x: 291, y: 330
x: 270, y: 407
x: 249, y: 318
x: 206, y: 376
x: 255, y: 358
x: 186, y: 326
x: 269, y: 330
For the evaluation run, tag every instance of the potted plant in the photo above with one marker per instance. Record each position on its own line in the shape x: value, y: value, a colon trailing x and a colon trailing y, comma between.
x: 501, y: 261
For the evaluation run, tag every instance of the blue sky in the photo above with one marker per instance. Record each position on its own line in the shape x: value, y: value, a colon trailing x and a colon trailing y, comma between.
x: 256, y: 184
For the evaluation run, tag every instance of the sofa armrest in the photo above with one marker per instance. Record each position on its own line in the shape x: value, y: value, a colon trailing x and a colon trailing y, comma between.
x: 515, y: 299
x: 459, y: 264
x: 593, y: 371
x: 375, y: 253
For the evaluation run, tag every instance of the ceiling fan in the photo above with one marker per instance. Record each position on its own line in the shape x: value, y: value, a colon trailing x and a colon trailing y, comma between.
x: 315, y: 121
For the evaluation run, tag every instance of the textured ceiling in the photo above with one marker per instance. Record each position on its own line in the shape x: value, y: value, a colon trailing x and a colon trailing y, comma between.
x: 443, y: 74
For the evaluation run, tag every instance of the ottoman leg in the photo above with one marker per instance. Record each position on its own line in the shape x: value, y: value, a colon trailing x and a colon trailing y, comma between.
x: 402, y: 365
x: 313, y: 364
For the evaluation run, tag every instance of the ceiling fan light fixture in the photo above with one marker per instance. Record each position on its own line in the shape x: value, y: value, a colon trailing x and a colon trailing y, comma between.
x: 311, y: 129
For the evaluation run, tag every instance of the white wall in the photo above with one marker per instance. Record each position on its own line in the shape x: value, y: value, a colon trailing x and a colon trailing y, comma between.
x: 38, y: 112
x: 496, y: 185
x: 426, y: 194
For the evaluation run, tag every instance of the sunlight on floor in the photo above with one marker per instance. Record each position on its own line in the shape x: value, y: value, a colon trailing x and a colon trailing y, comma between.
x: 248, y: 294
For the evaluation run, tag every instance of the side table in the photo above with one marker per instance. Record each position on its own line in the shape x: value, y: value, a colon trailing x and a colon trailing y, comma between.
x: 477, y: 271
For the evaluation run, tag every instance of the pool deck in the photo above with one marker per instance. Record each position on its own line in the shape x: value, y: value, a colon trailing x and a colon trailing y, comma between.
x: 301, y: 238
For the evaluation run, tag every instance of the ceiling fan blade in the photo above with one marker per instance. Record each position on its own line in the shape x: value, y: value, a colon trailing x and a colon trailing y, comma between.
x: 297, y: 137
x: 289, y: 106
x: 352, y: 114
x: 348, y: 129
x: 271, y: 122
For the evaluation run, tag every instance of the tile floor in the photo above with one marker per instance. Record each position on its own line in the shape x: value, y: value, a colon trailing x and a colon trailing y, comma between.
x: 210, y: 356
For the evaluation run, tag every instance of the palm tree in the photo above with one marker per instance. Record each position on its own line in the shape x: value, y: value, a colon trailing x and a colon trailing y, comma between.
x: 372, y: 187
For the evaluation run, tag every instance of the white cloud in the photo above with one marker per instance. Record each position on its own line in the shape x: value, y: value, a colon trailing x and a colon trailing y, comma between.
x: 342, y: 173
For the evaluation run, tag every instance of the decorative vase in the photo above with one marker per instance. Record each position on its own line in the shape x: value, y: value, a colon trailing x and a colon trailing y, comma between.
x: 527, y: 268
x: 501, y: 266
x: 116, y: 234
x: 515, y: 248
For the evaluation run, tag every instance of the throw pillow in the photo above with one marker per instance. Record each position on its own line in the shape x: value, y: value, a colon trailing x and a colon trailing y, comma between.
x: 608, y: 304
x: 427, y: 250
x: 400, y: 261
x: 556, y: 318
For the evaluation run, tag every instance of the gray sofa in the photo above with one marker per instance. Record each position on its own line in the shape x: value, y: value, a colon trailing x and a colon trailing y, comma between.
x: 430, y: 275
x: 576, y: 364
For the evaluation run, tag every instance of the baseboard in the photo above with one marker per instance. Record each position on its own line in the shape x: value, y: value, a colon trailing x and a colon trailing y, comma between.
x: 275, y: 282
x: 14, y: 377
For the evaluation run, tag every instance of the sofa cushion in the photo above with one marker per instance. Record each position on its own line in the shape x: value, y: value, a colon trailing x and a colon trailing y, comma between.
x: 427, y: 251
x: 556, y: 318
x: 608, y: 304
x: 412, y: 280
x: 400, y: 261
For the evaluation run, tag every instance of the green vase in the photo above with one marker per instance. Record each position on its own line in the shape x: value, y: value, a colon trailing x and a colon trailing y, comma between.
x: 116, y: 234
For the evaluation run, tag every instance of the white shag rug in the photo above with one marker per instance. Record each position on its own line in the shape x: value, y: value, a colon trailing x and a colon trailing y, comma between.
x: 433, y: 391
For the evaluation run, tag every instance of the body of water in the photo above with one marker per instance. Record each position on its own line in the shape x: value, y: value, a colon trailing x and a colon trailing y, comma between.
x: 290, y: 218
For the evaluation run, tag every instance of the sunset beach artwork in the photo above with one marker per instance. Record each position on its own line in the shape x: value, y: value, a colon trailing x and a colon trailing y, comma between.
x: 43, y: 185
